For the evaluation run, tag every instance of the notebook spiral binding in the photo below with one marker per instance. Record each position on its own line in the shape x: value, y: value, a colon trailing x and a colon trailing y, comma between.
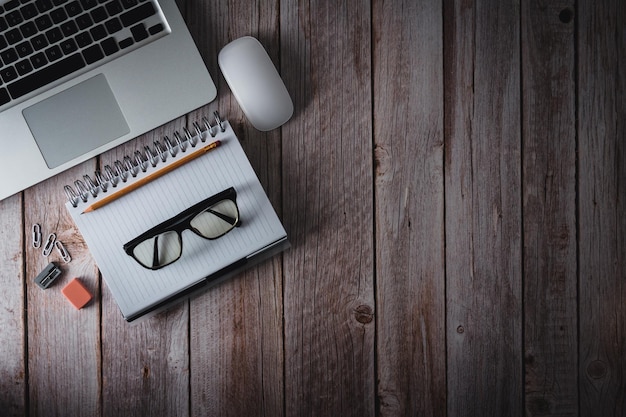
x: 131, y: 166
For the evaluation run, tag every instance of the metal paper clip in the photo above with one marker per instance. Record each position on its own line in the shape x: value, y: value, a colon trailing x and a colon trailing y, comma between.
x: 47, y: 249
x: 36, y: 235
x: 62, y: 251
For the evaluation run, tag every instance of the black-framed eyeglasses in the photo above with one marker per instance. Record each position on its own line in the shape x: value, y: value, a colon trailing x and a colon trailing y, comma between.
x: 163, y: 244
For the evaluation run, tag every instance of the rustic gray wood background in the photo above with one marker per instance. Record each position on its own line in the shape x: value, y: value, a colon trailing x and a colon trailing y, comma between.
x: 453, y: 183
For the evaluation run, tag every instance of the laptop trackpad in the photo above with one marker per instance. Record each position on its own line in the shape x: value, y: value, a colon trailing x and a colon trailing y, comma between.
x: 76, y: 121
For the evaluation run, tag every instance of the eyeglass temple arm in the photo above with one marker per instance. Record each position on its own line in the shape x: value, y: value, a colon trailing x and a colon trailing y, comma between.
x: 226, y: 218
x: 155, y: 253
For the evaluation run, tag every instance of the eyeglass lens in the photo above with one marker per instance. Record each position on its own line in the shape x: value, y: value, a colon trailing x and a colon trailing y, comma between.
x: 216, y: 220
x: 165, y: 248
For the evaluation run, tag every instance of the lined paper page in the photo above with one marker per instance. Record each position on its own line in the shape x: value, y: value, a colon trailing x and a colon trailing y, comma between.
x: 107, y: 229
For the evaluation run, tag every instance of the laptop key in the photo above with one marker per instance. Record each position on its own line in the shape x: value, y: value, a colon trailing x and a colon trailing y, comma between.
x: 73, y: 8
x: 58, y: 15
x: 68, y: 46
x: 69, y: 28
x: 98, y: 32
x: 139, y: 32
x: 23, y: 67
x: 29, y: 11
x: 4, y: 96
x: 43, y: 22
x: 43, y: 5
x: 88, y: 4
x: 38, y: 60
x: 13, y: 36
x: 137, y: 14
x: 98, y: 15
x: 93, y: 54
x: 129, y: 3
x: 8, y: 74
x: 24, y: 49
x: 83, y: 39
x: 113, y: 7
x: 39, y: 42
x: 8, y: 56
x: 127, y: 42
x: 109, y: 46
x: 28, y: 29
x: 113, y: 25
x: 46, y: 75
x: 9, y: 5
x: 53, y: 53
x: 153, y: 30
x: 14, y: 18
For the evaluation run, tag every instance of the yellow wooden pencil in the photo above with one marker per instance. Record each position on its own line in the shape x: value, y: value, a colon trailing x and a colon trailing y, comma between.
x: 156, y: 174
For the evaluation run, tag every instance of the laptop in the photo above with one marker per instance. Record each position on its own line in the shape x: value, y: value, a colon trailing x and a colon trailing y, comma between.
x: 79, y: 77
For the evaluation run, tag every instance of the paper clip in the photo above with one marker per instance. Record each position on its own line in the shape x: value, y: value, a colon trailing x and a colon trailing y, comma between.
x: 47, y: 249
x: 62, y: 251
x: 36, y: 235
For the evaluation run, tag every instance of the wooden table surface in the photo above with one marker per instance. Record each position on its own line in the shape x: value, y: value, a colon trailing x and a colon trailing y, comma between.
x: 453, y: 183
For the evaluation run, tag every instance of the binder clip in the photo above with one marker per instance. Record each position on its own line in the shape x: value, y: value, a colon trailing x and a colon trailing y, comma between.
x: 47, y: 276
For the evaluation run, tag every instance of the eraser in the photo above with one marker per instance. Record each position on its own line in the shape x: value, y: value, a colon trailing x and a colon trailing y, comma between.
x: 76, y: 293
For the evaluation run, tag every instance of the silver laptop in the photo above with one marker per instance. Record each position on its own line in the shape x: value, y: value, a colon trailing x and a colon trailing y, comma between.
x: 79, y: 77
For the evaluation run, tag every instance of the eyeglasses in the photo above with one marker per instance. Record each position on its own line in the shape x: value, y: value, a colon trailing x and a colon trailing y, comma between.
x: 163, y: 244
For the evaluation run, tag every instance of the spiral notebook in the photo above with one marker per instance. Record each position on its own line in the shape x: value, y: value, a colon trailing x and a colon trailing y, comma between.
x: 139, y: 290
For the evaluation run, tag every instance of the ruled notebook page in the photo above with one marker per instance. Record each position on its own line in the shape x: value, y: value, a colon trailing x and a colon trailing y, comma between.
x: 108, y: 228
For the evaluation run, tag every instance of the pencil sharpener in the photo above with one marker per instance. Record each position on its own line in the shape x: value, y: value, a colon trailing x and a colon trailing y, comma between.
x: 47, y: 276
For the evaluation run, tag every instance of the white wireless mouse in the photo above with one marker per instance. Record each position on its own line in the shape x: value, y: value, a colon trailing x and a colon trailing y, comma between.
x: 253, y: 79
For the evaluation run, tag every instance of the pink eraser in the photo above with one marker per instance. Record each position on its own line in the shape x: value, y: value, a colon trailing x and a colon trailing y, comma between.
x: 76, y: 293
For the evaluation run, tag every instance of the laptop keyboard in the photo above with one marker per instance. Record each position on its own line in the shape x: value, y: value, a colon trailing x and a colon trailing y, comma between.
x: 42, y: 41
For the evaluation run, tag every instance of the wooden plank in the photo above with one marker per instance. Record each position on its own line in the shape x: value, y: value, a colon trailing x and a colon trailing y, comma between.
x: 483, y: 208
x: 328, y: 210
x: 63, y: 343
x: 236, y: 327
x: 549, y: 196
x: 408, y: 137
x: 601, y: 110
x: 145, y: 365
x: 12, y: 309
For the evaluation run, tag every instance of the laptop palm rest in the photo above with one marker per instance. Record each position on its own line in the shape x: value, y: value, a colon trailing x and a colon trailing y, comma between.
x: 76, y: 121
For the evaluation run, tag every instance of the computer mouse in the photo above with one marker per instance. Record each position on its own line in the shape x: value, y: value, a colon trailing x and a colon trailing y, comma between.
x: 255, y: 83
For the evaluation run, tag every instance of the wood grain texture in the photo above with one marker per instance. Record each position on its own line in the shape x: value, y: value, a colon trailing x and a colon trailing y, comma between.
x: 483, y: 208
x: 453, y: 186
x: 328, y: 210
x: 549, y: 196
x: 410, y: 276
x: 145, y: 365
x: 13, y: 329
x: 63, y: 343
x: 602, y: 194
x: 236, y: 328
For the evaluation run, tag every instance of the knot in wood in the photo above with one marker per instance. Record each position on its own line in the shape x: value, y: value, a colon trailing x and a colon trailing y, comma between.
x: 597, y: 369
x: 566, y: 15
x: 364, y: 314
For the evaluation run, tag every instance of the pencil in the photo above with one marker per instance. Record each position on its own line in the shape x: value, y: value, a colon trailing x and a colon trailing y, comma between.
x: 156, y: 174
